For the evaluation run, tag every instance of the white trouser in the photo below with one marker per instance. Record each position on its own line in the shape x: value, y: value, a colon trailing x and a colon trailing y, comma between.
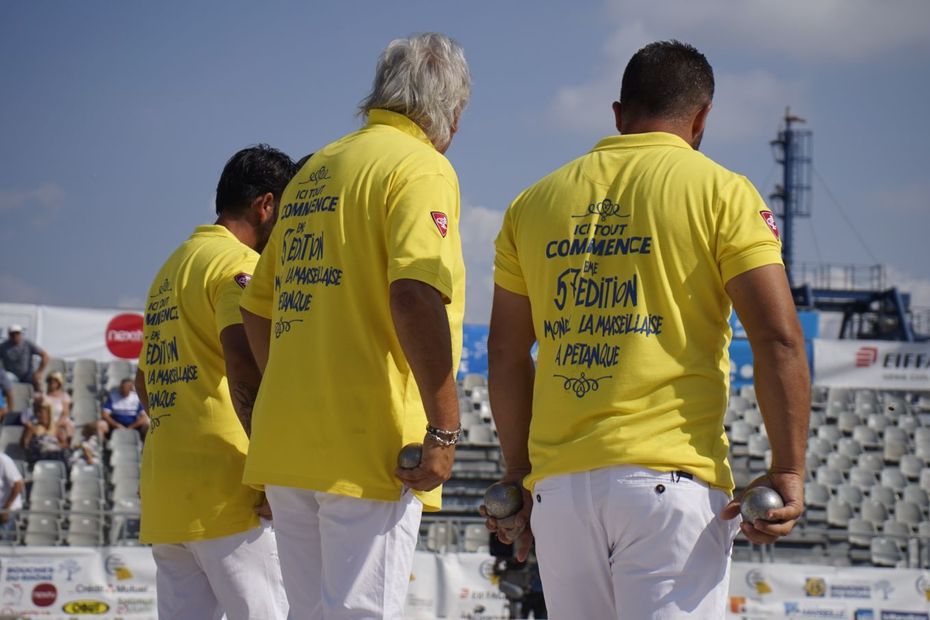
x: 238, y: 575
x: 344, y: 557
x: 632, y: 543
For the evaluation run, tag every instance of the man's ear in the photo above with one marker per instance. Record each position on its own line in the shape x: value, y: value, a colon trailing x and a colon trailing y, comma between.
x: 618, y: 117
x: 263, y: 207
x: 700, y: 119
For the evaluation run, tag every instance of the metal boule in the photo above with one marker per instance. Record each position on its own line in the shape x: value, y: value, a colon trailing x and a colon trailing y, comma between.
x: 757, y: 501
x: 410, y: 455
x: 503, y: 499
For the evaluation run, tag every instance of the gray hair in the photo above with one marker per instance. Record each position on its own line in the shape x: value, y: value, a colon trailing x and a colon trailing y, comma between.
x: 425, y: 78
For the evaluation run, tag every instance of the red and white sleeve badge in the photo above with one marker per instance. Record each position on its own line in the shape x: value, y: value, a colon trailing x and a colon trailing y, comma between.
x: 769, y: 218
x: 441, y: 221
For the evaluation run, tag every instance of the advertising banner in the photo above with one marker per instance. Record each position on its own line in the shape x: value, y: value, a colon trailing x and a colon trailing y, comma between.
x: 469, y: 588
x: 764, y: 591
x: 75, y: 333
x: 76, y: 581
x: 876, y: 364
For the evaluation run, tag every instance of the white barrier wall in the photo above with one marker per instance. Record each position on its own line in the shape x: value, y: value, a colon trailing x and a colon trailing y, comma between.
x: 120, y: 583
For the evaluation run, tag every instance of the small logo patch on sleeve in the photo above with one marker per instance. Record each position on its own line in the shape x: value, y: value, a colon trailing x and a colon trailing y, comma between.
x: 441, y: 221
x: 769, y: 218
x: 242, y: 279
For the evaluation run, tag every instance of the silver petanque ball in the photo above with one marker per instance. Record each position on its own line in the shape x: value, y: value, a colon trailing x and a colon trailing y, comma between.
x: 757, y: 501
x: 409, y: 456
x: 503, y: 499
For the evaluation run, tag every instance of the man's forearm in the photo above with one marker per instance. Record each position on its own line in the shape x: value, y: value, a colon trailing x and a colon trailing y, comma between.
x: 783, y: 392
x: 258, y: 333
x: 242, y: 373
x: 510, y: 382
x: 422, y: 328
x: 141, y: 392
x: 14, y: 493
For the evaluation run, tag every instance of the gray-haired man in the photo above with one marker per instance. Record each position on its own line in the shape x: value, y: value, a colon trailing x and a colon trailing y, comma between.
x: 355, y: 313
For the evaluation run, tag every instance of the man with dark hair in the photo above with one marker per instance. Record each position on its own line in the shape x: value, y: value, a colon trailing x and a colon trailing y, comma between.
x: 197, y: 380
x: 624, y: 264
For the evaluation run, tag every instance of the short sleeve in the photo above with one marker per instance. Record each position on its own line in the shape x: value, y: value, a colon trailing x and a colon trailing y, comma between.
x: 422, y: 232
x: 258, y: 297
x: 747, y: 234
x: 508, y: 273
x: 11, y: 471
x: 228, y: 292
x: 108, y: 403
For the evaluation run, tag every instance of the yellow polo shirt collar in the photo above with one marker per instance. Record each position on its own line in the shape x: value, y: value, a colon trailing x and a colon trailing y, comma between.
x: 398, y: 121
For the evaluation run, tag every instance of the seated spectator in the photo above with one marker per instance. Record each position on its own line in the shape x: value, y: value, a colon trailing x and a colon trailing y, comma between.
x: 43, y: 444
x: 16, y: 356
x: 6, y: 395
x: 11, y: 495
x: 60, y: 402
x: 123, y: 409
x: 89, y: 451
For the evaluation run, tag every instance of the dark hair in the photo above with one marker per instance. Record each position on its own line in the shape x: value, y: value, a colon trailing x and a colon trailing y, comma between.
x: 666, y: 79
x: 301, y: 162
x: 250, y: 173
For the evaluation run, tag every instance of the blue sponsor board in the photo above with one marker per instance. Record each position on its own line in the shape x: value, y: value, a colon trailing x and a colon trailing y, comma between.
x: 904, y: 615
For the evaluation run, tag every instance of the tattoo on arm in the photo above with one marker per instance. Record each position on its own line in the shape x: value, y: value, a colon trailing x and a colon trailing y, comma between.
x: 243, y: 396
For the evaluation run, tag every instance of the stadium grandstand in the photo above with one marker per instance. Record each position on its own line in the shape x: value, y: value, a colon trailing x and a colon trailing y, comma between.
x: 862, y: 547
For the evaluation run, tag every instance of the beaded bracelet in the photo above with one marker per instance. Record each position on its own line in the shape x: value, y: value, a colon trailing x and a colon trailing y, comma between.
x: 443, y: 437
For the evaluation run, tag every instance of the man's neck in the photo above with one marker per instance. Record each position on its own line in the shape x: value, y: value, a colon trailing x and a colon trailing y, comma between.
x: 651, y: 125
x: 241, y: 230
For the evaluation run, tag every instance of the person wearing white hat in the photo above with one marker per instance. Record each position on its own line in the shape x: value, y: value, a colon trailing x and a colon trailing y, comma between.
x: 16, y: 355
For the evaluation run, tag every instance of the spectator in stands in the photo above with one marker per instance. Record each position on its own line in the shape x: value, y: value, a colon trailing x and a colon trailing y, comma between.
x: 60, y: 402
x: 371, y: 365
x: 625, y: 263
x: 41, y: 441
x: 11, y: 494
x: 16, y: 355
x: 198, y: 379
x: 89, y: 451
x: 6, y: 394
x: 123, y: 409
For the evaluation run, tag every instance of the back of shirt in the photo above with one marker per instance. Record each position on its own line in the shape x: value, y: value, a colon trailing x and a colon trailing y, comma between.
x: 191, y: 481
x: 624, y: 254
x: 338, y: 399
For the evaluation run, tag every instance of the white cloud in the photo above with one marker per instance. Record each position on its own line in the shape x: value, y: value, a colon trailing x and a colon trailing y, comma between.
x: 41, y: 204
x: 918, y: 287
x: 479, y: 228
x: 912, y: 199
x: 745, y: 103
x: 815, y: 32
x: 17, y: 291
x: 130, y: 302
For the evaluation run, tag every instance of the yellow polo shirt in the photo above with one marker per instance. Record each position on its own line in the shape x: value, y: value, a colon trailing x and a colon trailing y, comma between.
x: 624, y: 254
x: 338, y: 399
x: 191, y: 479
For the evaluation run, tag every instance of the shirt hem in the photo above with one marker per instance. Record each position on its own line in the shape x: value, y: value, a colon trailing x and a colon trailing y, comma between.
x: 207, y: 534
x: 382, y: 494
x: 422, y: 275
x: 747, y: 262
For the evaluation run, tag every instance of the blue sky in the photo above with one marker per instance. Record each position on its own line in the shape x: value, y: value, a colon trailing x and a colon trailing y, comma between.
x: 116, y: 117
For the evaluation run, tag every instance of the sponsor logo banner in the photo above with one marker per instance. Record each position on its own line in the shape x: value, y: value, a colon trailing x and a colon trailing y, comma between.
x: 872, y: 364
